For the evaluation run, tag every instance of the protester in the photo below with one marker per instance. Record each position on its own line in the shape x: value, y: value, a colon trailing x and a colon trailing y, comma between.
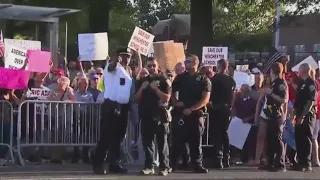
x: 72, y: 65
x: 244, y: 108
x: 56, y: 74
x: 93, y: 89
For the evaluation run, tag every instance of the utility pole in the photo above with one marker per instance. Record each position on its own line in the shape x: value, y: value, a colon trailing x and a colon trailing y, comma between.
x: 277, y: 29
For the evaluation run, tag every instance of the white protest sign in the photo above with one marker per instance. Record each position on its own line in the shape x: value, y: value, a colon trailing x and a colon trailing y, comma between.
x: 93, y: 46
x: 238, y: 132
x: 15, y: 58
x: 243, y: 78
x: 210, y: 55
x: 242, y: 68
x: 18, y: 43
x: 141, y: 41
x: 39, y: 93
x: 151, y: 49
x: 309, y: 60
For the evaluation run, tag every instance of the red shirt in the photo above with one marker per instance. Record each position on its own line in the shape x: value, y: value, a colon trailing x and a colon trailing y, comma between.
x: 292, y: 93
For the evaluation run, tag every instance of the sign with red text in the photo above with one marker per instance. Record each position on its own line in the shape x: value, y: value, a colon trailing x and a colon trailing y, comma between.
x: 211, y: 55
x: 39, y: 93
x: 141, y: 41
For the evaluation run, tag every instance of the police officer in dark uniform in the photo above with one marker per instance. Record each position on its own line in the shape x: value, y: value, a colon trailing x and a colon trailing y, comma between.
x: 114, y: 117
x: 194, y: 93
x: 275, y: 113
x: 305, y: 109
x: 153, y: 94
x: 222, y: 95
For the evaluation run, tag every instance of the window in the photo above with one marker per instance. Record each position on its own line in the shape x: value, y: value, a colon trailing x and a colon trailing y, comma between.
x: 299, y: 50
x: 316, y: 49
x: 282, y: 49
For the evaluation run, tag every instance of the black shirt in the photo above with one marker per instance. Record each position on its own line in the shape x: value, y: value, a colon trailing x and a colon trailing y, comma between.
x: 306, y: 92
x: 150, y: 102
x: 190, y: 88
x: 279, y: 88
x: 223, y: 87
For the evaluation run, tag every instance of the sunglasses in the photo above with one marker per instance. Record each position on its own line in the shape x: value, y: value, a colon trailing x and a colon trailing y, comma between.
x: 100, y: 74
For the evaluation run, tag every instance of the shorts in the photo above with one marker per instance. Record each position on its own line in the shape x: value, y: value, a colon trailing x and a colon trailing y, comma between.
x: 316, y: 130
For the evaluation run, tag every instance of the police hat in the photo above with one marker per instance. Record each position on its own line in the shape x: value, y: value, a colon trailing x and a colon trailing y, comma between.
x: 124, y: 51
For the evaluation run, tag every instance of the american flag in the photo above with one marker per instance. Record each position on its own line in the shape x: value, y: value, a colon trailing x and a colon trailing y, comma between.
x: 274, y: 55
x: 1, y: 45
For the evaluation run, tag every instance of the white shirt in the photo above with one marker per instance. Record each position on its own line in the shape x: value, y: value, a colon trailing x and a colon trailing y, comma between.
x: 117, y: 84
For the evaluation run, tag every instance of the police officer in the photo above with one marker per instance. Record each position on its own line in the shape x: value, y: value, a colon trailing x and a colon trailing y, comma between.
x: 275, y: 113
x: 114, y: 117
x: 153, y: 94
x: 305, y: 117
x: 221, y: 99
x: 194, y: 93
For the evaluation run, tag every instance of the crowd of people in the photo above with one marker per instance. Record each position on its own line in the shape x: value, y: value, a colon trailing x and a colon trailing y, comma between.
x: 173, y: 108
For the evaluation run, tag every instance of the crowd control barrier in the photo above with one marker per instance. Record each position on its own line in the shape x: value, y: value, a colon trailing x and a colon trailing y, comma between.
x: 6, y: 130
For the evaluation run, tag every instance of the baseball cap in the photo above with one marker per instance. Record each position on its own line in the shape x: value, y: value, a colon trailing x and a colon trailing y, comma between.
x: 94, y: 76
x: 124, y: 51
x: 255, y: 71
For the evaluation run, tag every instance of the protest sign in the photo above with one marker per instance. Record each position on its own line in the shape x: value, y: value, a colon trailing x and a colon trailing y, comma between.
x: 23, y: 44
x: 13, y: 79
x: 169, y: 54
x: 238, y: 132
x: 309, y: 60
x: 243, y: 78
x: 141, y: 41
x: 38, y: 61
x: 40, y: 94
x: 93, y: 46
x: 210, y: 55
x: 242, y: 68
x: 151, y: 49
x: 15, y: 58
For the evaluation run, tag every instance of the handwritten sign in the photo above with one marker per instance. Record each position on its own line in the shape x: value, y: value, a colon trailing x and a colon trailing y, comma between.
x: 242, y: 68
x: 23, y: 44
x: 141, y: 41
x: 93, y: 46
x: 151, y: 52
x: 15, y: 58
x: 13, y: 79
x: 211, y: 55
x: 38, y: 61
x: 39, y: 93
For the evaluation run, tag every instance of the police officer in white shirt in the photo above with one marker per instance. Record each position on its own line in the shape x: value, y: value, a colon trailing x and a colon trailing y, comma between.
x: 114, y: 113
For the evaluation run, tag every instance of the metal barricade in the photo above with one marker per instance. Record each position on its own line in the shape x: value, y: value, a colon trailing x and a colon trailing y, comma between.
x: 6, y: 130
x: 206, y: 135
x: 56, y: 124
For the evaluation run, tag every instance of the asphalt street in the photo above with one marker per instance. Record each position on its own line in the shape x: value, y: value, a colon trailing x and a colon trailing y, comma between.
x: 83, y: 172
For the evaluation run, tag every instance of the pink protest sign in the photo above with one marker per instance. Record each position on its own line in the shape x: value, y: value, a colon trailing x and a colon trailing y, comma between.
x: 13, y: 79
x: 38, y: 61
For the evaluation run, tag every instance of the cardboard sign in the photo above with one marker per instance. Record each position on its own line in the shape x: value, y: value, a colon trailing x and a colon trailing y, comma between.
x: 151, y: 50
x: 169, y: 54
x: 13, y: 79
x: 38, y: 61
x: 93, y: 46
x: 15, y: 58
x: 309, y: 60
x: 243, y: 78
x: 141, y: 41
x: 211, y: 55
x: 23, y: 44
x: 40, y: 94
x: 242, y: 68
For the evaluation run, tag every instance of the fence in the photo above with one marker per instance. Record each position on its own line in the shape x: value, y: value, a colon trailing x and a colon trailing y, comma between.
x: 41, y: 124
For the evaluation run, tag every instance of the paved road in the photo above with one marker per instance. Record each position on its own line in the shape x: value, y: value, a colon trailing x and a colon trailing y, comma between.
x: 82, y: 172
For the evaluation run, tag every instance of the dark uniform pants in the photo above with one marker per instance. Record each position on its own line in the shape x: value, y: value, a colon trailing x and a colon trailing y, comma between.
x: 113, y: 128
x: 175, y: 131
x: 275, y: 150
x: 191, y: 132
x: 151, y: 133
x: 219, y: 123
x: 303, y: 138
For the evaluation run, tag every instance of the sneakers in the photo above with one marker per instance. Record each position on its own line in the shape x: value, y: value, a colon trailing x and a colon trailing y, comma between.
x: 148, y: 171
x: 200, y: 169
x: 165, y: 172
